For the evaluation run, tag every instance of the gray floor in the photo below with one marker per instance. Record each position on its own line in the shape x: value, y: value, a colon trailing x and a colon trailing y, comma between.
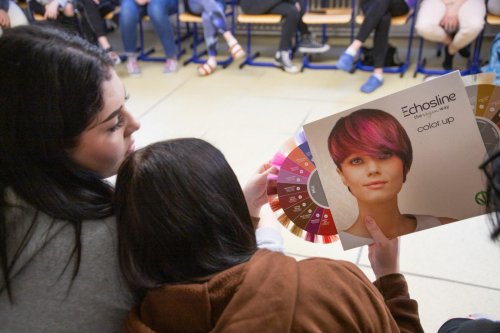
x: 452, y: 271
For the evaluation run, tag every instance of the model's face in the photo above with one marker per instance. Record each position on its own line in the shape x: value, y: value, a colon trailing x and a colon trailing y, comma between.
x: 103, y: 146
x: 372, y: 179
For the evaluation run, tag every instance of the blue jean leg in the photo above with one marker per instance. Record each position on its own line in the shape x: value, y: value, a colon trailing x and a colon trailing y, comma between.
x: 130, y: 14
x: 159, y: 12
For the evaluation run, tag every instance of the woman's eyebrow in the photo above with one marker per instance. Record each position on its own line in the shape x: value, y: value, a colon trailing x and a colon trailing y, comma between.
x: 111, y: 116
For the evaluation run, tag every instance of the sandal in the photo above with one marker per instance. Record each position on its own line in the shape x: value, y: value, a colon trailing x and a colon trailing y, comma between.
x: 205, y: 69
x: 236, y: 51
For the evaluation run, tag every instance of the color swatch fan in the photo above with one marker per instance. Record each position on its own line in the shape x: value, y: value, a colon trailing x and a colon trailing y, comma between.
x: 484, y: 98
x: 298, y: 199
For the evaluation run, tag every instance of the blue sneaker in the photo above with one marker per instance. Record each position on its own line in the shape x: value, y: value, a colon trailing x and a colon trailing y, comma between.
x: 372, y: 84
x: 345, y: 62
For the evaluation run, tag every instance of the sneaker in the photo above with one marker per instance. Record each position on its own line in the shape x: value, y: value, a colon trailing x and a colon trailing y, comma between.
x: 170, y: 66
x: 371, y: 85
x: 133, y: 66
x: 309, y: 45
x: 115, y: 58
x: 283, y: 61
x: 345, y: 62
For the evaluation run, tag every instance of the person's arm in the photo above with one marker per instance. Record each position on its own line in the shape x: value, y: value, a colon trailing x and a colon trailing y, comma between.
x: 384, y: 259
x: 256, y: 189
x: 267, y: 234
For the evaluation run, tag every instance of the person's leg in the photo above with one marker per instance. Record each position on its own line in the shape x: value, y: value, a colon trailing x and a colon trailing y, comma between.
x: 16, y: 15
x: 373, y: 12
x: 428, y: 21
x: 471, y: 22
x: 94, y: 18
x: 494, y: 7
x: 36, y: 7
x: 159, y: 12
x: 380, y: 40
x: 130, y: 14
x: 291, y: 17
x: 380, y: 45
x: 213, y: 21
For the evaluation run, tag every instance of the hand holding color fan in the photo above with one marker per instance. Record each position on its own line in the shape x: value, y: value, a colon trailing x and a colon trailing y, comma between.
x: 298, y: 198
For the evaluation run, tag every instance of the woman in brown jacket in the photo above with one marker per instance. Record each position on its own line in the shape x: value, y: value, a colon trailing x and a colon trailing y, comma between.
x: 187, y: 246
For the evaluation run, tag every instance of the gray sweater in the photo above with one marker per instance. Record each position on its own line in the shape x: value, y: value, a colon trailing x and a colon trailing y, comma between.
x: 44, y: 299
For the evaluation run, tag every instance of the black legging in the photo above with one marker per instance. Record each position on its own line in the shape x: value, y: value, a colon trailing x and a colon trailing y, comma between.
x: 292, y: 19
x: 94, y: 14
x: 378, y: 15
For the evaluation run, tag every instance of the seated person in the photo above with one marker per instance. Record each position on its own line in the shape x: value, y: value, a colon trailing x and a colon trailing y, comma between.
x: 454, y: 23
x: 187, y: 245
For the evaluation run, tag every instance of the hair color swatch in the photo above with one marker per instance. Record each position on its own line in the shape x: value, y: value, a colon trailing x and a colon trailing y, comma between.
x: 299, y: 200
x: 484, y: 99
x: 487, y: 113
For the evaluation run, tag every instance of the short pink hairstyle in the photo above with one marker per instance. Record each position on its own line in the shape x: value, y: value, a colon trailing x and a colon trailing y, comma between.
x: 370, y: 131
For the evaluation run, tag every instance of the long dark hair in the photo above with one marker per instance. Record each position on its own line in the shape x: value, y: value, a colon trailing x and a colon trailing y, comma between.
x: 50, y: 91
x: 181, y: 214
x: 491, y: 168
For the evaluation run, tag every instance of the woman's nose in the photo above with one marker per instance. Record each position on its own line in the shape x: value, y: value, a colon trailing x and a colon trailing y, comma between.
x: 133, y: 124
x: 372, y: 166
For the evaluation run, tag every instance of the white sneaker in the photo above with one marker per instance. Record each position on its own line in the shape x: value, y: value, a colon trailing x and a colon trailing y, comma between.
x: 283, y: 61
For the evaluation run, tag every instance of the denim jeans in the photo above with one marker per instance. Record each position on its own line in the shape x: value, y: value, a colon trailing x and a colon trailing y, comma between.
x: 159, y: 12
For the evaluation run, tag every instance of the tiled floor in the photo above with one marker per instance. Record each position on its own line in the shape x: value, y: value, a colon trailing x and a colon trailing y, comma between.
x: 453, y: 270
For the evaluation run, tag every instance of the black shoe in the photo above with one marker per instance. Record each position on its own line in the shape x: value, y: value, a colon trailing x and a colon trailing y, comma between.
x: 465, y: 51
x: 448, y: 60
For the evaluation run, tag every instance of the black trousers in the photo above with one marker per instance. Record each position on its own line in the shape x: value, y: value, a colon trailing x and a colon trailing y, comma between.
x: 95, y: 13
x: 292, y: 19
x: 378, y: 14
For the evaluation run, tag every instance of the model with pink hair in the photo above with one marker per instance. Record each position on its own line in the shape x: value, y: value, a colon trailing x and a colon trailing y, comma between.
x: 373, y: 155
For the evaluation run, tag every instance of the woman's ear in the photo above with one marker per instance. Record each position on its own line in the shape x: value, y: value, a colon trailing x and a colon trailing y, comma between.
x: 341, y: 174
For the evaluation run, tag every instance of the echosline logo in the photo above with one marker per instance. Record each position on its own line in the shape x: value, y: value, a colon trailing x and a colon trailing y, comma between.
x: 436, y: 101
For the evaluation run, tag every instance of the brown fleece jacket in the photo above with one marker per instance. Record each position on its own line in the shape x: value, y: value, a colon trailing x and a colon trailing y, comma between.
x: 275, y: 293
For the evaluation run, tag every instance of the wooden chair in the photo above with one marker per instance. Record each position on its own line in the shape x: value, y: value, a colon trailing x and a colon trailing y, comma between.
x: 324, y: 17
x: 248, y: 20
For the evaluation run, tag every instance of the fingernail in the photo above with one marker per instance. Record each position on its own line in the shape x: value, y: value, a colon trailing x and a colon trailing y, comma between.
x: 368, y: 220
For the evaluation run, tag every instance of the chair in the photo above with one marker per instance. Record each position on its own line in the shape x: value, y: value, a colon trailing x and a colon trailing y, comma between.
x: 396, y: 21
x: 327, y: 16
x: 248, y: 20
x: 197, y: 56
